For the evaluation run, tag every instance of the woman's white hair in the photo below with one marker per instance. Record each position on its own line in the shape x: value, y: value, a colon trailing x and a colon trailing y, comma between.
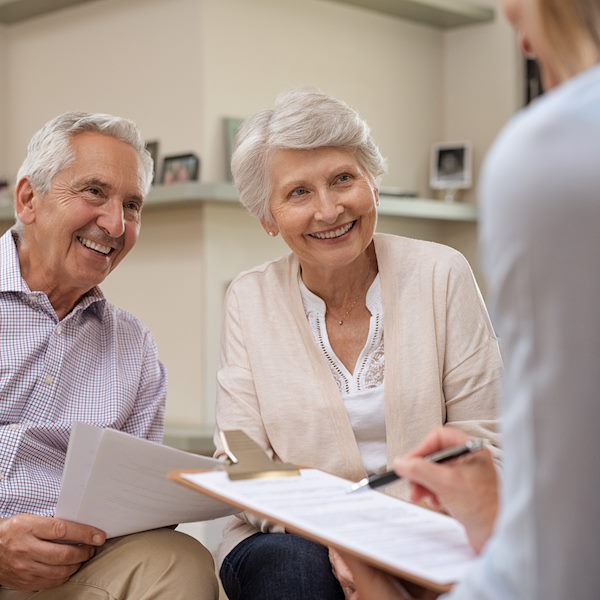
x: 302, y: 119
x: 50, y: 151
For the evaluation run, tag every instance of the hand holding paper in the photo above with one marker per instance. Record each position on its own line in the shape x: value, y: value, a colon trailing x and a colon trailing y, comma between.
x: 119, y: 483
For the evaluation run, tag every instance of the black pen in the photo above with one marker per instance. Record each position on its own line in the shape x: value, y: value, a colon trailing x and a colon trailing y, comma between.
x: 375, y: 481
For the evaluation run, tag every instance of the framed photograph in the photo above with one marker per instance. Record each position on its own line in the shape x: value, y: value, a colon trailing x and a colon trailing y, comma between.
x: 451, y: 166
x: 230, y: 128
x: 179, y: 168
x: 152, y: 147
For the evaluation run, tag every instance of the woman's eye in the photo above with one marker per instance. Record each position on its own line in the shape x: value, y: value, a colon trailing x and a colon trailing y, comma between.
x: 298, y: 192
x: 343, y: 178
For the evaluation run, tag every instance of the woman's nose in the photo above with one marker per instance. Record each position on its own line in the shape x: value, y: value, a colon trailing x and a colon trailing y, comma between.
x: 328, y: 208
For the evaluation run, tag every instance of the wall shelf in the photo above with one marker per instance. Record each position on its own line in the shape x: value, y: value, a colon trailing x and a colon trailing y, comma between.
x: 443, y: 14
x: 13, y: 11
x: 418, y: 208
x: 186, y: 194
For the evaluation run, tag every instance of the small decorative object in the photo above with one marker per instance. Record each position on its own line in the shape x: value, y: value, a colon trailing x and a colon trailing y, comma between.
x: 450, y: 168
x: 152, y: 147
x: 230, y: 126
x: 179, y: 168
x: 5, y: 199
x: 533, y: 80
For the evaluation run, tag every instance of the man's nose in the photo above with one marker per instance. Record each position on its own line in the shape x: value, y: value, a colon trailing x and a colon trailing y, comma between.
x: 112, y: 219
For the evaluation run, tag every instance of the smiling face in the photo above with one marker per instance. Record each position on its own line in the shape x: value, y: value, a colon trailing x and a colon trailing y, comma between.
x: 323, y: 203
x: 78, y: 232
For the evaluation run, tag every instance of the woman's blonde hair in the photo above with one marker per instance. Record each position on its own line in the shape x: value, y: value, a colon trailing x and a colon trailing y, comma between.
x: 572, y: 32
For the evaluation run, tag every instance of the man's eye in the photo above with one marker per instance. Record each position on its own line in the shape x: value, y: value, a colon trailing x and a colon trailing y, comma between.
x: 94, y: 191
x: 132, y: 206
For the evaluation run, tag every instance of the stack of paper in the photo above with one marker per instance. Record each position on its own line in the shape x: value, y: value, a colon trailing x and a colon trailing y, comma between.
x: 119, y: 483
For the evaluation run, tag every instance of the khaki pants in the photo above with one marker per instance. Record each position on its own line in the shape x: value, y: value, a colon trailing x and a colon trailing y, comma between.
x: 162, y: 563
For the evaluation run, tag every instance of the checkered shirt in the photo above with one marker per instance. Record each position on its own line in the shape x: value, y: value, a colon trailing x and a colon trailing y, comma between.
x: 99, y: 365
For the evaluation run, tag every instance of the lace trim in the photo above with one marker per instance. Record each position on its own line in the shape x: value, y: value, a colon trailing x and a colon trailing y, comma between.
x: 370, y: 368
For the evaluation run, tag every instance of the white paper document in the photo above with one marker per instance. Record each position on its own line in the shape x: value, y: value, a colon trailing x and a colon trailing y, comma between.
x: 397, y: 536
x: 119, y: 483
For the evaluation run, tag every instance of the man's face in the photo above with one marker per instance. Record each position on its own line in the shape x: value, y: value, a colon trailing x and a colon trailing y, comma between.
x: 89, y: 220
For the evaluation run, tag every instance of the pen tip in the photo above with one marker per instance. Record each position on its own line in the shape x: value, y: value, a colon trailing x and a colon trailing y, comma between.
x: 357, y: 486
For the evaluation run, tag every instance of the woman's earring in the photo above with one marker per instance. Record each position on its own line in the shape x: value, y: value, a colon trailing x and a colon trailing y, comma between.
x: 271, y: 233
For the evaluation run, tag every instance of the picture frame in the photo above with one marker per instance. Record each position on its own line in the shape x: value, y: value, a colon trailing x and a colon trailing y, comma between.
x: 231, y: 126
x: 152, y: 147
x: 451, y: 167
x: 179, y: 168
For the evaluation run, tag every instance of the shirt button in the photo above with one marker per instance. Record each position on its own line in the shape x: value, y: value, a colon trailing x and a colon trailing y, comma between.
x: 14, y: 426
x: 48, y: 379
x: 33, y: 299
x: 58, y: 329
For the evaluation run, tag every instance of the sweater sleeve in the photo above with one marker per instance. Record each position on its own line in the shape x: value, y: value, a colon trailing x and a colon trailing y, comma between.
x: 472, y: 365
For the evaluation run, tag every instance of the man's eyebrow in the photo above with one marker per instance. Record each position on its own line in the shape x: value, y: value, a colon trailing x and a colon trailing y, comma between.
x: 95, y: 182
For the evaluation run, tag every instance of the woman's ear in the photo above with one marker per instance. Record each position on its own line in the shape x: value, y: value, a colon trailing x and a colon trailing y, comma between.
x: 269, y: 228
x: 24, y: 201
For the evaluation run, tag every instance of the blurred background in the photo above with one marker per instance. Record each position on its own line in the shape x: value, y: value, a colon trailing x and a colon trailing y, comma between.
x: 419, y: 72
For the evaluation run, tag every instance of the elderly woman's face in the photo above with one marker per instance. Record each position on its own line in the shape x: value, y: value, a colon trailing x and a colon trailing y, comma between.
x: 324, y: 205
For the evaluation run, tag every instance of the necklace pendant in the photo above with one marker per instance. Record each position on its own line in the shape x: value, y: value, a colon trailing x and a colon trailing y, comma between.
x: 341, y: 322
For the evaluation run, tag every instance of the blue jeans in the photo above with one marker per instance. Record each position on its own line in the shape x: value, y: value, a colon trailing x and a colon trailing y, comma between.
x: 279, y: 566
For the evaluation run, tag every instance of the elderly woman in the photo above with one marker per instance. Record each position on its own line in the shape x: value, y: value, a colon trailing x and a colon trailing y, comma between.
x: 346, y: 352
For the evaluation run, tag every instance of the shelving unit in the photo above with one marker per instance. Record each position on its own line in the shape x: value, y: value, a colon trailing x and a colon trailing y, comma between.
x: 443, y: 14
x: 418, y: 208
x: 188, y: 194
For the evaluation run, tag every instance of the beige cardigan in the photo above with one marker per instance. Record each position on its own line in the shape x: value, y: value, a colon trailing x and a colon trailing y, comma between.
x: 442, y: 364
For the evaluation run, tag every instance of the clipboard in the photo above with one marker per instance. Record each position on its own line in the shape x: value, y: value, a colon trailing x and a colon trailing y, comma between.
x: 403, y: 539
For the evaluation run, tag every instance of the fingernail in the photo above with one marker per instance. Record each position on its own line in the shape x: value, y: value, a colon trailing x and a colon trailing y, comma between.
x: 97, y: 539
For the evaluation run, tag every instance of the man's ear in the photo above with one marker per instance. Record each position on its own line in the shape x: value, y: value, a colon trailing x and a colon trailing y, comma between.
x: 24, y: 201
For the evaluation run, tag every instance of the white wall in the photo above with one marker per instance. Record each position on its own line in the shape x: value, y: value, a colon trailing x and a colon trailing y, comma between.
x: 138, y: 59
x: 481, y: 85
x: 4, y: 168
x: 388, y: 69
x: 177, y: 67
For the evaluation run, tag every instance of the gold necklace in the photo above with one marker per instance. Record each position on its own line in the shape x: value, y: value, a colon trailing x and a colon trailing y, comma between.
x: 353, y: 302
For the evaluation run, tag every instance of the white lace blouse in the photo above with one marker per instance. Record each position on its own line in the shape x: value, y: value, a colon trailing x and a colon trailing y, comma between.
x: 362, y: 391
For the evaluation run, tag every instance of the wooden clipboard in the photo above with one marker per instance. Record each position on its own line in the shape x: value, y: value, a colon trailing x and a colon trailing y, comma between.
x: 282, y: 491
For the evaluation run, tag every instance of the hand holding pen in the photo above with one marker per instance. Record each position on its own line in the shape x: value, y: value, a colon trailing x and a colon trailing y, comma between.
x: 465, y: 489
x: 440, y: 456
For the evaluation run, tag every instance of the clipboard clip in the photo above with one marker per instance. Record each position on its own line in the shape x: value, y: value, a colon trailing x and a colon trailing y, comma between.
x: 247, y: 460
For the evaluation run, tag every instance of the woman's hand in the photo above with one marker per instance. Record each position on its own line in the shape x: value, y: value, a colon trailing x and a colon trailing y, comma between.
x: 467, y: 488
x: 343, y: 574
x: 373, y: 584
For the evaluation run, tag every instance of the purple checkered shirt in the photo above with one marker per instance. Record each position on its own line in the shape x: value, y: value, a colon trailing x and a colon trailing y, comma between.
x: 99, y: 365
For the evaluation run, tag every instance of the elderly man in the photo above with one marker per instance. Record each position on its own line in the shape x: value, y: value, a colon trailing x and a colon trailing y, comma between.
x: 67, y: 354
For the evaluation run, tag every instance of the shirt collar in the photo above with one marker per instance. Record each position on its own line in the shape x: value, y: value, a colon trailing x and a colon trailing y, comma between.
x: 12, y: 281
x: 313, y: 303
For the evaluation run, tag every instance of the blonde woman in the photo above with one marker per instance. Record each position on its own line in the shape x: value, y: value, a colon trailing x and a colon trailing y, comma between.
x: 540, y: 239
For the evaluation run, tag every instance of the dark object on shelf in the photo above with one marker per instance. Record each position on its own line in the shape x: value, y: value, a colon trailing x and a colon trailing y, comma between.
x: 230, y: 127
x: 533, y: 80
x: 152, y: 147
x: 179, y: 168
